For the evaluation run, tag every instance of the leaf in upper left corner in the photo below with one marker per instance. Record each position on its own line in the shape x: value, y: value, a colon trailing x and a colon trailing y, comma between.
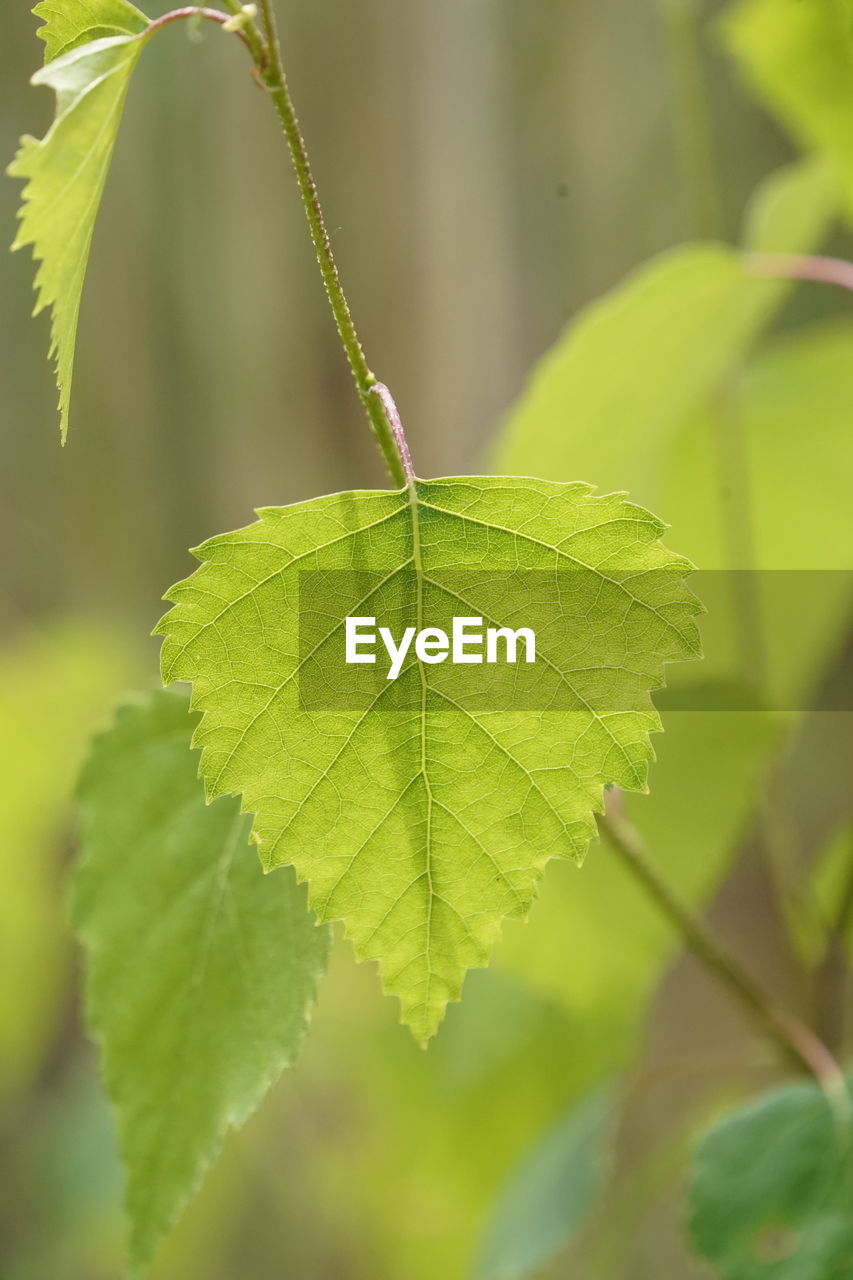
x: 91, y: 47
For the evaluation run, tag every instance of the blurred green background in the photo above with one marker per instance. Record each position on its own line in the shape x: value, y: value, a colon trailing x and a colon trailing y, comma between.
x: 488, y: 167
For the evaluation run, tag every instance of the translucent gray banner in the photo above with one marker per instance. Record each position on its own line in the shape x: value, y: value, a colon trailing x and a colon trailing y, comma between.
x: 529, y: 640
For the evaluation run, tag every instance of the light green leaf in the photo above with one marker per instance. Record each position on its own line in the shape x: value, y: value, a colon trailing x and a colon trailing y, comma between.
x: 630, y: 368
x: 66, y: 171
x: 549, y: 1197
x: 798, y: 388
x: 799, y: 59
x: 69, y: 23
x: 607, y: 400
x: 426, y: 814
x: 772, y: 1189
x: 200, y: 971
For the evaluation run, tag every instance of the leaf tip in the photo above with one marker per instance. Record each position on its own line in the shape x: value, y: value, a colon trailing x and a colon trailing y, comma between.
x: 423, y: 1030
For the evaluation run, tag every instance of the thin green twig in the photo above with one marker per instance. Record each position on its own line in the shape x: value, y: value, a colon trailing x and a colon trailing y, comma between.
x: 377, y: 405
x: 265, y: 48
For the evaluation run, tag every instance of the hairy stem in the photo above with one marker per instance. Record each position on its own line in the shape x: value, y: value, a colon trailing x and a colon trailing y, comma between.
x: 269, y: 69
x: 375, y: 397
x: 798, y: 1043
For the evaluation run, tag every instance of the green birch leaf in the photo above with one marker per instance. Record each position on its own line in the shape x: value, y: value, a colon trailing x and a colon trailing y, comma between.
x: 201, y: 972
x: 424, y: 813
x: 771, y: 1191
x: 798, y: 57
x: 66, y: 171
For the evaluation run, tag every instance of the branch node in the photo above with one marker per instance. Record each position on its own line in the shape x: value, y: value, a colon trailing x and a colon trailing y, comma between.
x: 247, y: 14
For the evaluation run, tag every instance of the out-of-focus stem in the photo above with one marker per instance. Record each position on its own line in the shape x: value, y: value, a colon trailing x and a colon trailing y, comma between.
x: 798, y: 1043
x: 692, y: 117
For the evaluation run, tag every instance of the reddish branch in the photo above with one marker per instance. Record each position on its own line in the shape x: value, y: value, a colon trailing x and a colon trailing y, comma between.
x: 193, y: 11
x: 791, y: 266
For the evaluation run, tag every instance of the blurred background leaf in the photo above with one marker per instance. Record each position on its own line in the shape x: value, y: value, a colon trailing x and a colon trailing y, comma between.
x: 783, y: 1213
x: 55, y: 686
x: 799, y: 59
x: 550, y: 1195
x: 633, y: 368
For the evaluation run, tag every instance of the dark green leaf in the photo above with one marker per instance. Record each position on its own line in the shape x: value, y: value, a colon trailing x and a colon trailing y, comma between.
x: 772, y: 1191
